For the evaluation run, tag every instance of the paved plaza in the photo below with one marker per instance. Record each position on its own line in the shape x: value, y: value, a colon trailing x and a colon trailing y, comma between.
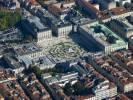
x: 62, y: 49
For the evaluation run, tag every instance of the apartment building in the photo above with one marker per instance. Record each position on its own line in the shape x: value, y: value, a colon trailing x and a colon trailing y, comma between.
x: 114, y: 72
x: 102, y: 37
x: 34, y: 88
x: 122, y: 27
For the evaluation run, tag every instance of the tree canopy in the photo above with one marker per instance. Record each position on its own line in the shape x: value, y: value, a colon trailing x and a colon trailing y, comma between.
x: 9, y: 18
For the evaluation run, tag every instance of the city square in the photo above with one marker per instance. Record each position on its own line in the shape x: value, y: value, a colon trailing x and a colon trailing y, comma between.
x: 66, y: 50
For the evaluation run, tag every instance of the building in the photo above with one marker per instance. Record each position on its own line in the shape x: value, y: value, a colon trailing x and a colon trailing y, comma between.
x: 105, y: 90
x: 43, y: 62
x: 29, y: 50
x: 117, y: 13
x: 61, y: 79
x: 60, y: 10
x: 102, y: 37
x: 78, y: 21
x: 106, y: 4
x: 113, y: 71
x: 6, y: 75
x: 92, y: 8
x: 120, y: 97
x: 10, y: 4
x: 99, y: 87
x: 47, y: 3
x: 124, y: 58
x: 12, y: 90
x: 89, y: 7
x: 11, y: 34
x: 30, y: 4
x: 34, y: 88
x: 34, y: 26
x: 62, y: 29
x: 58, y: 92
x: 111, y: 12
x: 122, y: 27
x: 122, y: 2
x: 14, y: 63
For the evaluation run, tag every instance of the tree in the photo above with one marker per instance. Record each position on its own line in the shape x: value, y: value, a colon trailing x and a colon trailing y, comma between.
x: 79, y: 88
x: 37, y: 71
x: 127, y: 5
x: 68, y: 89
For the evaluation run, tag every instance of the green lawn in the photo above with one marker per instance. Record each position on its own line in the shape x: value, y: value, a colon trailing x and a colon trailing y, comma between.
x: 9, y: 18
